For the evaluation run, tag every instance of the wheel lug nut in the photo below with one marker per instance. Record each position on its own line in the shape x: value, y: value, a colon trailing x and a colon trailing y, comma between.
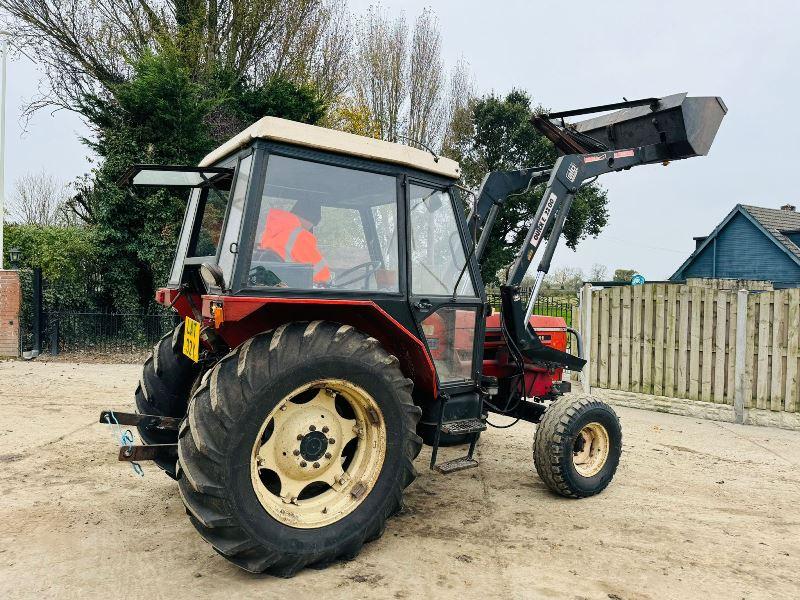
x: 312, y: 428
x: 331, y: 441
x: 304, y: 464
x: 296, y: 452
x: 316, y: 465
x: 325, y: 429
x: 327, y: 455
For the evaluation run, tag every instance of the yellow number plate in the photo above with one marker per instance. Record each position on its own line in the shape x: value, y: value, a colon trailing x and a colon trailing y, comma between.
x: 191, y: 339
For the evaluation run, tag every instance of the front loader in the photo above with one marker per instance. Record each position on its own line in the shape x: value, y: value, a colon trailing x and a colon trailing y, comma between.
x: 301, y: 383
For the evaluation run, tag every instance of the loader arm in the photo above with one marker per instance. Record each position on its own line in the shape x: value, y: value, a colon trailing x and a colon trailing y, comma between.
x: 643, y: 132
x: 495, y: 189
x: 567, y: 176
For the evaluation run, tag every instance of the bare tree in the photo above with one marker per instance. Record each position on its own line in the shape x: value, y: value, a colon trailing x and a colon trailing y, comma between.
x: 87, y: 47
x: 38, y: 199
x: 458, y: 117
x: 564, y: 278
x: 330, y: 64
x: 598, y: 272
x: 381, y: 78
x: 400, y: 87
x: 426, y: 110
x: 380, y: 70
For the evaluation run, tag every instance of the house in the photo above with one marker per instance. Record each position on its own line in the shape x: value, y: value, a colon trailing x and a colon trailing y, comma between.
x: 751, y: 243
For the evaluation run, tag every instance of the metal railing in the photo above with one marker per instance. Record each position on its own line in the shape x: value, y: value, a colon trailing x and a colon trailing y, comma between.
x: 547, y: 305
x: 105, y: 332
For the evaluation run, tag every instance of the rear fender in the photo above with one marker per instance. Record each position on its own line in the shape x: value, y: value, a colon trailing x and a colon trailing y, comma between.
x: 244, y: 317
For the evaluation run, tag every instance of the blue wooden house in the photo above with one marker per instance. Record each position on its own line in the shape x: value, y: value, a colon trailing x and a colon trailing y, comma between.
x: 750, y: 243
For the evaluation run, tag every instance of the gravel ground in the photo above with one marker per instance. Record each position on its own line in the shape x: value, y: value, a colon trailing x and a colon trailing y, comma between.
x: 698, y: 509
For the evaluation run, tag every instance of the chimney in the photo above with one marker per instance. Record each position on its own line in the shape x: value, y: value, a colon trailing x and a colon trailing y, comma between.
x: 789, y: 207
x: 698, y: 241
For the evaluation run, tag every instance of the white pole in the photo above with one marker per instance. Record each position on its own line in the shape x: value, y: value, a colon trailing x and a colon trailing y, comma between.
x: 586, y: 334
x: 4, y: 50
x: 740, y: 367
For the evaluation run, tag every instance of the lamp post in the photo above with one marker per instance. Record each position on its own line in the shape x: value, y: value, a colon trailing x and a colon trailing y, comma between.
x: 4, y: 52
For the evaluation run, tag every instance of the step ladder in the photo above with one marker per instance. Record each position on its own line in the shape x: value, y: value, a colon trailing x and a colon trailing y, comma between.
x: 472, y: 427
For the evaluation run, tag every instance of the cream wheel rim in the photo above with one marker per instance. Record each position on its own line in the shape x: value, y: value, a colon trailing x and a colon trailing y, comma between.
x: 319, y: 453
x: 590, y: 450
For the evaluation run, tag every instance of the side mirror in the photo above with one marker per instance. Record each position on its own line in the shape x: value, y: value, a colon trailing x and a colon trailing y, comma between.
x: 212, y: 276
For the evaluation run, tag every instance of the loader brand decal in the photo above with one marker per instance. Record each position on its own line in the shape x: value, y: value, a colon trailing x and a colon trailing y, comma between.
x: 623, y: 153
x: 537, y: 233
x: 594, y: 158
x: 572, y: 172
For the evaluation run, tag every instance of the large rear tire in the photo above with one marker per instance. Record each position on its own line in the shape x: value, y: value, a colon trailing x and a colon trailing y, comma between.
x: 297, y: 447
x: 577, y: 446
x: 165, y: 388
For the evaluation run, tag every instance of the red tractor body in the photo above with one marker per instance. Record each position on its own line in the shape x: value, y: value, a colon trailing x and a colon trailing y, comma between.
x: 333, y: 319
x: 539, y: 380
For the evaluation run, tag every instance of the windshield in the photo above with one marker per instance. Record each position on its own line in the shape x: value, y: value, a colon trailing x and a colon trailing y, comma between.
x: 324, y: 226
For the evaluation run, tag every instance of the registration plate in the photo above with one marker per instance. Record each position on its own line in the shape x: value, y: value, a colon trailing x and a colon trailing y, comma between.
x: 191, y: 339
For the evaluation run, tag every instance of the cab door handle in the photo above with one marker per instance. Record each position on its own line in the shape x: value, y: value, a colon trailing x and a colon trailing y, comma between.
x: 423, y: 305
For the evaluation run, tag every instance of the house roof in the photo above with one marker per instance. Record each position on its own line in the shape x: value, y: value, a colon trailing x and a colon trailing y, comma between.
x: 776, y: 221
x: 772, y: 222
x: 320, y: 138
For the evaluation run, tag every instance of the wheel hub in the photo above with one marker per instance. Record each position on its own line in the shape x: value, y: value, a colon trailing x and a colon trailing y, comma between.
x: 590, y: 449
x: 305, y: 470
x: 300, y: 446
x: 313, y: 445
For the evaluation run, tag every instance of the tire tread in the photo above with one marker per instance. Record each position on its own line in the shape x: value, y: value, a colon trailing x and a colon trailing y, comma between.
x: 236, y: 377
x: 548, y: 454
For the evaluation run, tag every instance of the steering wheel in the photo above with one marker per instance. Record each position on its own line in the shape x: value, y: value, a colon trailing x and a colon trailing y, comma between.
x: 369, y: 269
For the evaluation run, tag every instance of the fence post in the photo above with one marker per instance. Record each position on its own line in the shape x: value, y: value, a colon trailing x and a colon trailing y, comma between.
x: 586, y: 334
x: 37, y: 311
x: 741, y: 354
x: 54, y: 337
x: 9, y: 313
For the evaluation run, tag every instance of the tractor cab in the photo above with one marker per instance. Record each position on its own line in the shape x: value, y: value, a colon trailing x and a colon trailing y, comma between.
x: 293, y: 219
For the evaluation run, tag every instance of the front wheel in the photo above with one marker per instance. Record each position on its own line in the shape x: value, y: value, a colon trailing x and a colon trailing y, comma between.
x: 577, y: 446
x: 297, y: 447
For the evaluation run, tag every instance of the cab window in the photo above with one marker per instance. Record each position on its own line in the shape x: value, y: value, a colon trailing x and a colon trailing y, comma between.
x: 437, y: 253
x: 327, y: 227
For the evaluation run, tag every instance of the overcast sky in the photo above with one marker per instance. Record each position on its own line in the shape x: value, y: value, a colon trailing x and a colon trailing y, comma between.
x: 569, y: 55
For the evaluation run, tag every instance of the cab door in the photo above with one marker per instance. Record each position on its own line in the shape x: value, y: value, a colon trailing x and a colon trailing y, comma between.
x: 444, y: 297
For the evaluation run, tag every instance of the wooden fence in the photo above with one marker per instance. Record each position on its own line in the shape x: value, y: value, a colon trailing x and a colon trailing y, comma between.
x: 729, y: 347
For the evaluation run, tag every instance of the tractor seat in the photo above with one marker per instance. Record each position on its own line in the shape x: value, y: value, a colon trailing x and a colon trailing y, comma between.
x: 269, y: 269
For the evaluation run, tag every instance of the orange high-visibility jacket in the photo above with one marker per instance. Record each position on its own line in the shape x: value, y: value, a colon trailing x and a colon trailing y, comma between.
x: 284, y: 235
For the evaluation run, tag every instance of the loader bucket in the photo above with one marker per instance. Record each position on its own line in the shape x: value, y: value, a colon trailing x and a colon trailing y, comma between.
x: 687, y: 126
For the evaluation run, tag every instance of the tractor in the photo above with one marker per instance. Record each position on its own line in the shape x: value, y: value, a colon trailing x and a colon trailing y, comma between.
x: 332, y: 320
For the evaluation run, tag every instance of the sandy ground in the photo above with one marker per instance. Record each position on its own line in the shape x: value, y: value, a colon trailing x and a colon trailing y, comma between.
x: 698, y: 509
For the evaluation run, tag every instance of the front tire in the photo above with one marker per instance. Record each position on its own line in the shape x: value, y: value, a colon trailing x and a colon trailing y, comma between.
x: 262, y: 483
x: 577, y: 446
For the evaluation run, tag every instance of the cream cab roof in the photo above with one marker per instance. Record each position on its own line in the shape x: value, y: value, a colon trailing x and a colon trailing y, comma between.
x: 330, y: 140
